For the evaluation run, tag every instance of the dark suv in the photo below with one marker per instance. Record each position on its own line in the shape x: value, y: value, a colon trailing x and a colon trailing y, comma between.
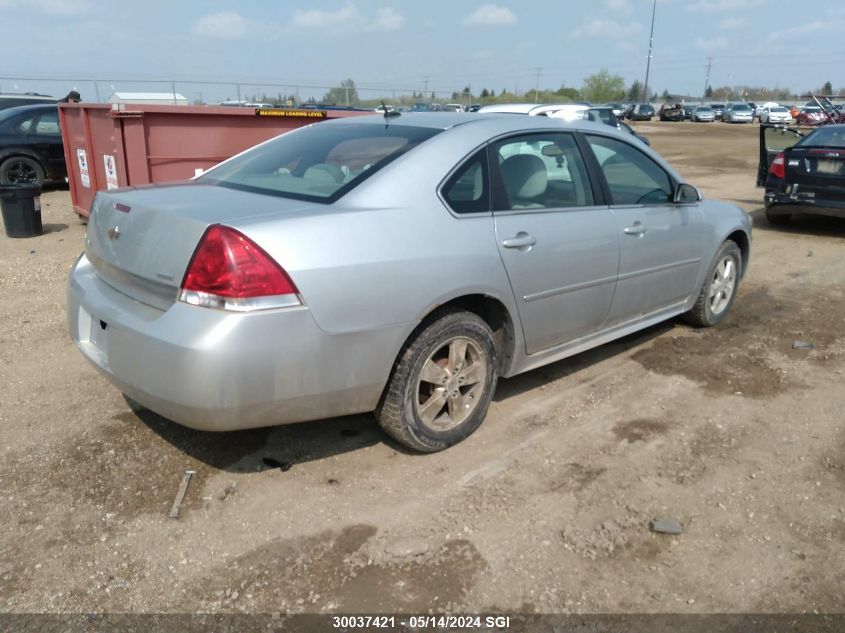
x: 641, y: 112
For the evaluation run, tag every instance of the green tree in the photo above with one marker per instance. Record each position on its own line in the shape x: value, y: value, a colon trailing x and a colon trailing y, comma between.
x: 602, y: 86
x: 568, y: 94
x: 345, y: 94
x: 708, y: 92
x: 827, y: 89
x: 485, y: 93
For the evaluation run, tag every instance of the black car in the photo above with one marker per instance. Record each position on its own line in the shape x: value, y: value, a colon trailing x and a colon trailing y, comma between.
x: 807, y: 176
x: 31, y: 145
x: 641, y: 112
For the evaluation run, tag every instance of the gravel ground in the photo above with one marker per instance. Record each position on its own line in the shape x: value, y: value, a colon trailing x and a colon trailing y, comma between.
x: 545, y: 509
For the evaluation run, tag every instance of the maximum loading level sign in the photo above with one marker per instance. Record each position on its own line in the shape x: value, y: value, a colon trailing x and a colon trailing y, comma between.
x: 291, y: 113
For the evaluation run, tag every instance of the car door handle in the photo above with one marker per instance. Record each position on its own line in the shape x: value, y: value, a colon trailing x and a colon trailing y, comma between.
x: 520, y: 240
x: 636, y: 229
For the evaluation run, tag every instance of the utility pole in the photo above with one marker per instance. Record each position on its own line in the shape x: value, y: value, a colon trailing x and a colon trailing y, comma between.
x: 425, y: 89
x: 650, y: 48
x: 707, y: 78
x: 539, y: 72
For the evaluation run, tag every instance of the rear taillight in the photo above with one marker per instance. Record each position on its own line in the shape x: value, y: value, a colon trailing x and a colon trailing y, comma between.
x: 777, y: 167
x: 231, y: 272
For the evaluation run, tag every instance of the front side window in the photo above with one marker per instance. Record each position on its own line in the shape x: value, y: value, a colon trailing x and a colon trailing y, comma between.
x: 542, y: 171
x: 632, y: 177
x: 320, y: 162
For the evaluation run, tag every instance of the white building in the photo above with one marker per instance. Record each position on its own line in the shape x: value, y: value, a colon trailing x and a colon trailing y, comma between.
x: 153, y: 98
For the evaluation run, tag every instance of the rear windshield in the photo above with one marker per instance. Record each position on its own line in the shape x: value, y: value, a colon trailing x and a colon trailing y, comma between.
x: 831, y: 136
x: 777, y: 109
x: 704, y: 109
x: 742, y: 107
x: 320, y: 162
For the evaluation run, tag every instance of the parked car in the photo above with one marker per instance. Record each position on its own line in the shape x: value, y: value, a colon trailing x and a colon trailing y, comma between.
x: 565, y: 111
x: 601, y: 114
x: 31, y: 150
x: 718, y: 108
x: 802, y: 174
x: 453, y: 107
x: 12, y: 100
x: 774, y: 114
x: 688, y: 110
x: 671, y: 112
x: 641, y: 112
x: 703, y: 113
x: 398, y: 264
x: 604, y: 114
x: 617, y: 108
x: 737, y: 113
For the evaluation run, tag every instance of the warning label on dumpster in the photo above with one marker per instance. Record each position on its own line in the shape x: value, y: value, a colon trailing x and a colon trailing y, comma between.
x: 111, y: 171
x: 287, y: 112
x: 83, y: 168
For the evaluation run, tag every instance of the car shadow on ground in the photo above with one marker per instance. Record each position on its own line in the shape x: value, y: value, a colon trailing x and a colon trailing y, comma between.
x: 283, y: 447
x: 256, y: 450
x: 820, y: 225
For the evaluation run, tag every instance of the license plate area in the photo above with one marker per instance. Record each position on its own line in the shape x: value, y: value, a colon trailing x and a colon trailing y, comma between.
x: 829, y: 166
x: 94, y: 337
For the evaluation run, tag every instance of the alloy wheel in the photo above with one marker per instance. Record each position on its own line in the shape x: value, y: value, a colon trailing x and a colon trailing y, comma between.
x: 450, y: 384
x: 722, y: 286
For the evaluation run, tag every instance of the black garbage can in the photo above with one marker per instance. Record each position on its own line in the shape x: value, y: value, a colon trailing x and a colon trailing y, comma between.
x: 21, y: 207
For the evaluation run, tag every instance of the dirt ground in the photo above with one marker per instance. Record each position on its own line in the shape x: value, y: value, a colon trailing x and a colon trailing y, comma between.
x: 545, y: 509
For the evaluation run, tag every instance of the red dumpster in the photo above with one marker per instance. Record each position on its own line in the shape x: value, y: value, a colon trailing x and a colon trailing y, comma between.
x: 121, y: 145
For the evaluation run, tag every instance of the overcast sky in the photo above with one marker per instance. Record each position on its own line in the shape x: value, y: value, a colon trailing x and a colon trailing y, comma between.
x: 396, y: 44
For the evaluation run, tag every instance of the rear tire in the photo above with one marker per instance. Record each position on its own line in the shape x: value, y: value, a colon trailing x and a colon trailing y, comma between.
x: 441, y: 384
x: 21, y: 170
x: 719, y: 289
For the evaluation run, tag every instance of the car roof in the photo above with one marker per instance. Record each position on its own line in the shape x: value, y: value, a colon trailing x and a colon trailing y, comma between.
x: 35, y: 107
x: 487, y: 123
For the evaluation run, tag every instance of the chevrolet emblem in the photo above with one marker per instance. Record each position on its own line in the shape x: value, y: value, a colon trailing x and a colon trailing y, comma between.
x: 113, y: 233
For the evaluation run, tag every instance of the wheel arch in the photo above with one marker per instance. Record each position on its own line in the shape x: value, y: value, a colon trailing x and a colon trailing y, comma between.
x: 491, y: 310
x: 741, y: 239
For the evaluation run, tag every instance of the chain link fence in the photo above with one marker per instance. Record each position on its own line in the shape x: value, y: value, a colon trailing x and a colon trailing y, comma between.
x: 234, y: 93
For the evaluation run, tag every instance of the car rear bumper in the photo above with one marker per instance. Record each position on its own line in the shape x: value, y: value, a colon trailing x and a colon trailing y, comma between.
x: 778, y: 204
x: 219, y: 371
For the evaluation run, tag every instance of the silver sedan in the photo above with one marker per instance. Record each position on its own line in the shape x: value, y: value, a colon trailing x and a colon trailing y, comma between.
x: 399, y: 264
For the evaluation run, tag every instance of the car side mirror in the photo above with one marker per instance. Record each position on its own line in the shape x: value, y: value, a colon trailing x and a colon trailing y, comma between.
x: 686, y: 194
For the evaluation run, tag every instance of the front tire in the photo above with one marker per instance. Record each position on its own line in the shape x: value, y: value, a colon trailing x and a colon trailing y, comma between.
x: 719, y: 289
x: 21, y: 170
x: 442, y: 383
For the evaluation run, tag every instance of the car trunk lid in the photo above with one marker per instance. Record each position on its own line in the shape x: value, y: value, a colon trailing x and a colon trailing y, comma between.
x: 141, y: 240
x: 816, y: 173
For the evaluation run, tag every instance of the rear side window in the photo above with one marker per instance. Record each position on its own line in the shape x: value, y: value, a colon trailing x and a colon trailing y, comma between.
x: 468, y: 190
x: 48, y: 125
x: 320, y: 162
x: 632, y: 177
